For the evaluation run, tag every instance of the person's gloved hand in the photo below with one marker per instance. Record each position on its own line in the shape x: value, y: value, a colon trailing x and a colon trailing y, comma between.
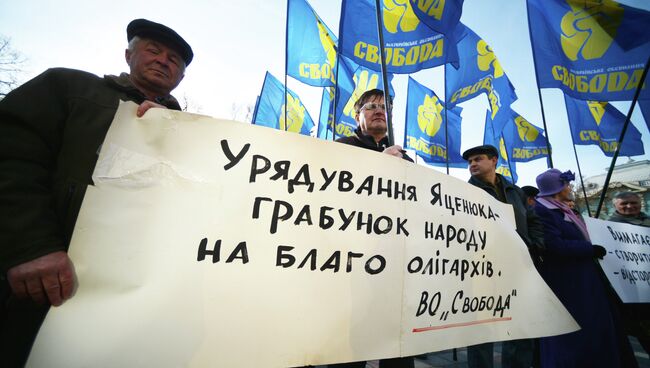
x: 599, y: 251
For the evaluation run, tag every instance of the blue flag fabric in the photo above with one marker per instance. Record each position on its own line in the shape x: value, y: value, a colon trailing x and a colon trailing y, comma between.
x: 439, y: 15
x: 583, y: 47
x: 354, y: 80
x: 425, y: 127
x: 270, y: 109
x: 524, y: 141
x: 600, y: 123
x: 311, y: 46
x: 409, y: 44
x: 490, y: 136
x: 479, y: 72
x: 326, y: 115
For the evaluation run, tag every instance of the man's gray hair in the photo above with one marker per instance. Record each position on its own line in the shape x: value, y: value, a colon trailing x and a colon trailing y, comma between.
x: 134, y: 41
x: 623, y: 195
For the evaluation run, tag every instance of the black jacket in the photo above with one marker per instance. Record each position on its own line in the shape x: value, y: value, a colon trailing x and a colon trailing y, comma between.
x: 51, y: 130
x: 529, y: 226
x: 368, y: 142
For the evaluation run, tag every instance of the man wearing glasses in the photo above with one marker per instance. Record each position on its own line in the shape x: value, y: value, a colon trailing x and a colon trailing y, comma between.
x: 371, y: 129
x: 371, y: 134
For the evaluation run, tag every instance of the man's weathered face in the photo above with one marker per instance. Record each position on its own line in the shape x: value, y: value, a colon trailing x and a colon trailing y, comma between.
x: 481, y: 165
x: 155, y: 66
x: 628, y: 206
x: 372, y: 121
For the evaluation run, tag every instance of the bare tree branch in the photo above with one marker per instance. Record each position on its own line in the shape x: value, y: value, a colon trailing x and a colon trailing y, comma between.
x: 242, y: 112
x: 189, y: 105
x: 11, y: 62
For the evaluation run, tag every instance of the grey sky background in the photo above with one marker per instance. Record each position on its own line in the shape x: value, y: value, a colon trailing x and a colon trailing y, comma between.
x: 236, y: 42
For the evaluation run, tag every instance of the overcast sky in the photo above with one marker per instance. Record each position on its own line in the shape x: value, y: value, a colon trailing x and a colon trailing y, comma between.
x: 236, y: 42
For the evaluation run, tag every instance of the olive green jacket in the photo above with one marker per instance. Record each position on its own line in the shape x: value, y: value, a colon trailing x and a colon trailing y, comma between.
x: 640, y: 220
x: 51, y: 130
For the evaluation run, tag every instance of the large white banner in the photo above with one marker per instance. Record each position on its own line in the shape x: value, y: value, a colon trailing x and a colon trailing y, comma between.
x: 627, y: 263
x: 214, y: 243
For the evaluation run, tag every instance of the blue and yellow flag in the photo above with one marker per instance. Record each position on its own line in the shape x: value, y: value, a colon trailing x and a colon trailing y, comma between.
x: 363, y: 79
x: 270, y: 109
x: 311, y: 46
x: 584, y: 47
x: 490, y: 136
x: 441, y: 16
x: 425, y: 127
x: 524, y: 141
x: 326, y: 117
x: 600, y: 123
x: 409, y: 44
x: 479, y: 72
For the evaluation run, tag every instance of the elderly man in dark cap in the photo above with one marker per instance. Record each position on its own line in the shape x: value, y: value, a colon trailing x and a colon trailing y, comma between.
x: 51, y: 130
x: 482, y: 165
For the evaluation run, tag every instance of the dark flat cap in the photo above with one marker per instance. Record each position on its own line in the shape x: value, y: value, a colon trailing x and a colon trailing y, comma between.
x: 485, y: 149
x: 159, y: 32
x: 530, y: 190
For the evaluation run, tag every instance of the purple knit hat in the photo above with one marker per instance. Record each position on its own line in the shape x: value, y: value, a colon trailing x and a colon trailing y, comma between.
x: 552, y: 181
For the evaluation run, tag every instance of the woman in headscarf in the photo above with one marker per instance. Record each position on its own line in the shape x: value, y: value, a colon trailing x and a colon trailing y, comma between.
x: 570, y: 269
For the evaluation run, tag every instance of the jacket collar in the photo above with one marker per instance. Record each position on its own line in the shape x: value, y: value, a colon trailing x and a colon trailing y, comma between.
x: 124, y: 84
x: 369, y: 140
x: 480, y: 183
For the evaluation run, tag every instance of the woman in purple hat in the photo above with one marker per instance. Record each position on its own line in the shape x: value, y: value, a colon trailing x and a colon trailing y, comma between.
x: 571, y: 271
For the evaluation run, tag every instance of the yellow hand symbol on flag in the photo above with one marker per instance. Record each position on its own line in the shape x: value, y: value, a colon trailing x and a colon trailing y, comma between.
x: 589, y: 28
x: 399, y: 16
x: 527, y: 132
x: 487, y: 59
x: 502, y: 149
x: 364, y: 82
x: 328, y: 46
x: 295, y: 115
x: 429, y: 117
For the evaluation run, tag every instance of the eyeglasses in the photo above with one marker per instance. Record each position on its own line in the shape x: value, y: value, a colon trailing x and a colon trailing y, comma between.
x: 372, y: 106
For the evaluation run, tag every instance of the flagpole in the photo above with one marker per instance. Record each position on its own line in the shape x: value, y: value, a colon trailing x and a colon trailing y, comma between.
x: 582, y: 183
x: 446, y: 122
x: 539, y: 92
x: 620, y: 140
x: 384, y: 75
x: 286, y: 66
x: 336, y: 89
